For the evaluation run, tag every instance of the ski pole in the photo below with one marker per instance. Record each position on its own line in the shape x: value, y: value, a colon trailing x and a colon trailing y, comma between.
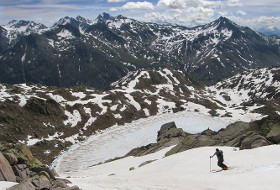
x: 210, y: 164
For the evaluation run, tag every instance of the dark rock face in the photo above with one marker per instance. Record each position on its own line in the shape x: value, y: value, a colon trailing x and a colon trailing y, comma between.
x: 254, y: 141
x: 274, y: 134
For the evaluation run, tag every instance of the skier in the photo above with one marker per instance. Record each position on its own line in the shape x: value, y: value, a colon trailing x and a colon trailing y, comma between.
x: 220, y: 157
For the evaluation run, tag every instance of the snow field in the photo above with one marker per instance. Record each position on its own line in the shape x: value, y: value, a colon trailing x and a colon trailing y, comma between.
x: 118, y: 140
x: 255, y: 169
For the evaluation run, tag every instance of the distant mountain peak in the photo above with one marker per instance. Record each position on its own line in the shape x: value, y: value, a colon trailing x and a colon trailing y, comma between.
x: 104, y: 16
x: 224, y: 21
x: 64, y: 21
x: 24, y: 23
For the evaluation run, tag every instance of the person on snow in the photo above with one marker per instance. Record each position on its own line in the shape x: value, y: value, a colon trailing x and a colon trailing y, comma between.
x: 220, y: 157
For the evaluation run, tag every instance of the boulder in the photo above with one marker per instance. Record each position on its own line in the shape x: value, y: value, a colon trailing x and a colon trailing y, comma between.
x: 22, y: 171
x: 40, y: 182
x: 55, y: 174
x: 165, y: 127
x: 274, y: 134
x: 236, y: 142
x: 233, y: 130
x: 193, y: 141
x: 43, y: 168
x: 6, y: 172
x: 22, y: 186
x: 73, y: 188
x: 44, y: 173
x: 59, y: 184
x: 253, y: 140
x: 169, y: 134
x: 12, y: 159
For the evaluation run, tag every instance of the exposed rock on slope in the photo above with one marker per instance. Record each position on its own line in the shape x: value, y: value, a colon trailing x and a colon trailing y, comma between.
x: 240, y: 134
x: 19, y: 165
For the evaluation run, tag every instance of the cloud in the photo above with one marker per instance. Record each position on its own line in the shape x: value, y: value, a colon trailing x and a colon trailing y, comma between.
x: 173, y: 4
x: 134, y: 5
x: 114, y: 9
x: 181, y: 4
x: 115, y: 1
x: 241, y: 13
x: 234, y: 3
x: 258, y: 23
x: 190, y: 16
x: 223, y: 13
x: 138, y: 5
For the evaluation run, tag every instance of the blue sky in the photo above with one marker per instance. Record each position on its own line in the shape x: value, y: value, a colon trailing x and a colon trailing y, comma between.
x: 257, y: 14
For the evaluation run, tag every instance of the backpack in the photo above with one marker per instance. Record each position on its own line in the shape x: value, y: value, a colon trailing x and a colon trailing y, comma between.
x: 220, y: 155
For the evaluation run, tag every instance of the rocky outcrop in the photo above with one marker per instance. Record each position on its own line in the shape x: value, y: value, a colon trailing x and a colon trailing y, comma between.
x: 167, y: 136
x: 6, y: 172
x: 254, y: 140
x: 12, y: 159
x: 23, y: 186
x: 239, y: 134
x: 17, y: 164
x: 274, y: 134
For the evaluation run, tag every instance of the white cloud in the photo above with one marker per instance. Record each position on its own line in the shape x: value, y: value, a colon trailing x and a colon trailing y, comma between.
x: 190, y: 16
x: 258, y: 23
x: 114, y: 9
x: 241, y: 13
x: 181, y: 4
x: 115, y: 1
x: 138, y: 5
x: 234, y: 3
x: 223, y: 13
x: 173, y: 4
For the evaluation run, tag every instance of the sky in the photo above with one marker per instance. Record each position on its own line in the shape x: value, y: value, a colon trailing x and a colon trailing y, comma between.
x: 257, y: 14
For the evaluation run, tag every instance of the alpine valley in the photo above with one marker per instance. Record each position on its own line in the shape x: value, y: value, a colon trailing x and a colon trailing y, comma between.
x: 86, y: 92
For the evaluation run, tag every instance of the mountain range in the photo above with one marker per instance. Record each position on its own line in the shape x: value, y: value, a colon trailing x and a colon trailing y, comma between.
x: 95, y: 53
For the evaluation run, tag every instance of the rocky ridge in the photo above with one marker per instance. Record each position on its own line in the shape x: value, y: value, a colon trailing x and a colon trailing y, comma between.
x: 19, y: 165
x: 241, y: 135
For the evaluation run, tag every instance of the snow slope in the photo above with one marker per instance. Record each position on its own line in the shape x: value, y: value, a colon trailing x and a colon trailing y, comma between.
x: 6, y: 184
x: 255, y: 169
x: 119, y: 140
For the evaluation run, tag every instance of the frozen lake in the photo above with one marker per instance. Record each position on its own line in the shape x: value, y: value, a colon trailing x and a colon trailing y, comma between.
x: 119, y: 140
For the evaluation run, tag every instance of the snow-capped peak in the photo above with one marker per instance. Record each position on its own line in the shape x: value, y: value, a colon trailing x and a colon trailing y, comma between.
x: 104, y: 16
x: 24, y: 27
x: 65, y: 20
x: 17, y: 28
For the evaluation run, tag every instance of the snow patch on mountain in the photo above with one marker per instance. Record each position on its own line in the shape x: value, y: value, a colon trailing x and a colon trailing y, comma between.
x: 73, y: 118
